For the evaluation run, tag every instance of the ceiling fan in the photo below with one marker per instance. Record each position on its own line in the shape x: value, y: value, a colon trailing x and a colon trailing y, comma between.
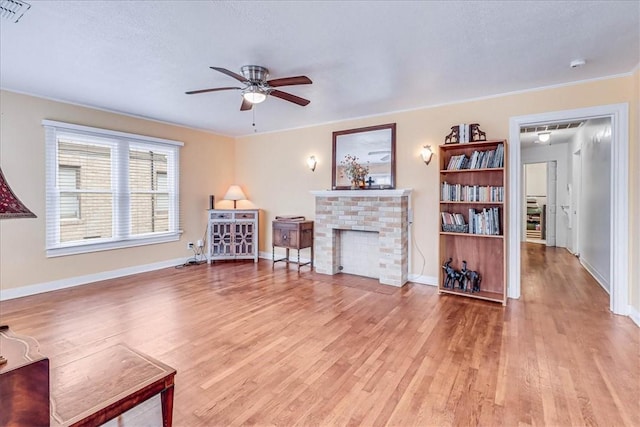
x: 387, y: 154
x: 257, y: 87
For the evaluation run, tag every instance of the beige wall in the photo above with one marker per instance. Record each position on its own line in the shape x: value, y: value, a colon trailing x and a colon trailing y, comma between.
x: 271, y: 168
x: 206, y: 163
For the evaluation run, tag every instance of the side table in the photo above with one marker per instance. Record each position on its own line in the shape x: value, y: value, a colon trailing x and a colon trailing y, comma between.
x: 96, y: 388
x: 24, y: 382
x: 292, y: 235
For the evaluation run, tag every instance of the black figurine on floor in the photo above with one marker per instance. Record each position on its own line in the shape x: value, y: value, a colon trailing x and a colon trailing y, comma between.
x: 475, y: 279
x: 459, y: 278
x: 464, y: 276
x: 450, y: 279
x: 470, y: 279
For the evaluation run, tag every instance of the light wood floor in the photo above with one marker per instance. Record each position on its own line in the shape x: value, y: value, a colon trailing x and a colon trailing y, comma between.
x: 256, y: 346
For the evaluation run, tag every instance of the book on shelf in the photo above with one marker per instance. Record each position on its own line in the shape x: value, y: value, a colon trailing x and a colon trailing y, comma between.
x: 488, y: 159
x: 464, y: 133
x: 485, y: 222
x: 292, y: 218
x: 449, y: 218
x: 470, y: 193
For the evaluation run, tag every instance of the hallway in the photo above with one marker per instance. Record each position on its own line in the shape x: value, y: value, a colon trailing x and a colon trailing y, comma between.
x: 576, y: 354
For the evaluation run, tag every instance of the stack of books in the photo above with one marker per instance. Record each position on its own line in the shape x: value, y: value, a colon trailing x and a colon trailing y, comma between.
x: 485, y: 222
x: 290, y: 218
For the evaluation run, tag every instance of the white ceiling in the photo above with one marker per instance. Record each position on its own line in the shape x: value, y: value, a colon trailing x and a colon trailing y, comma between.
x: 365, y: 58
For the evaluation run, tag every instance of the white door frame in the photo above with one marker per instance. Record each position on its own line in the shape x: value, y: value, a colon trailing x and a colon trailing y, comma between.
x: 619, y: 114
x: 575, y: 206
x: 552, y: 203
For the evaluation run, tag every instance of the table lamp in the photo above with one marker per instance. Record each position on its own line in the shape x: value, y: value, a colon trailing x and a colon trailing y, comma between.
x: 10, y: 207
x: 234, y: 193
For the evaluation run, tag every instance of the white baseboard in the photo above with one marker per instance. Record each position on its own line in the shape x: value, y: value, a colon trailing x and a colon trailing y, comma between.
x: 7, y: 294
x: 634, y: 315
x: 602, y: 281
x: 423, y: 280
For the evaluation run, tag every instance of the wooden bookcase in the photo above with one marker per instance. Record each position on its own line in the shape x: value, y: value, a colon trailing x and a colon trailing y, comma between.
x: 484, y: 253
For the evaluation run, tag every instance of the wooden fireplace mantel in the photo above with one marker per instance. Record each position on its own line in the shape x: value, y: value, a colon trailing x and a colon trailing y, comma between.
x: 400, y: 192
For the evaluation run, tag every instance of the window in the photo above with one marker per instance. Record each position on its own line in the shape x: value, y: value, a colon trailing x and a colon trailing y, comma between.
x: 108, y: 189
x: 69, y: 182
x: 162, y: 197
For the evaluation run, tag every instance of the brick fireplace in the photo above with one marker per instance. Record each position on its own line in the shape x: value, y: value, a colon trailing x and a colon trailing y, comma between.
x: 380, y: 211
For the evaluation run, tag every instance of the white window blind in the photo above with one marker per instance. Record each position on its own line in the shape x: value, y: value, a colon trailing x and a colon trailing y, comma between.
x: 108, y: 189
x: 69, y: 183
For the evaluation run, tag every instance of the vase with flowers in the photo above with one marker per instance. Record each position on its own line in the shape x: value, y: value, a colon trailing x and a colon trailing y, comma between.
x: 355, y: 171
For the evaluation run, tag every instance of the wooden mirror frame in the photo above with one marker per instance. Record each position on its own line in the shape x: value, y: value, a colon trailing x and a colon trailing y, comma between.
x: 362, y: 136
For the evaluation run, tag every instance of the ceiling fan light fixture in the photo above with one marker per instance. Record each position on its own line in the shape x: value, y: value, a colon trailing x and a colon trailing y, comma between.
x: 544, y: 136
x: 254, y: 95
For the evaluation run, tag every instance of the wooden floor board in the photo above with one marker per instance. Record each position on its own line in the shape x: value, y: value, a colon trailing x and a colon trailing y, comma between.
x: 254, y: 345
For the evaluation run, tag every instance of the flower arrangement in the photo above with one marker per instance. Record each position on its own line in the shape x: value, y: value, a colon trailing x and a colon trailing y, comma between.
x: 354, y: 170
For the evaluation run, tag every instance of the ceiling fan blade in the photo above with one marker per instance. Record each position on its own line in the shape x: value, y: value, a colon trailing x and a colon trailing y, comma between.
x: 289, y: 97
x: 193, y: 92
x: 246, y: 105
x: 289, y: 81
x: 231, y: 74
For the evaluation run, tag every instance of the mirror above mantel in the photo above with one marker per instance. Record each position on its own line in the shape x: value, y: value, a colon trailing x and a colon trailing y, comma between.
x: 375, y: 148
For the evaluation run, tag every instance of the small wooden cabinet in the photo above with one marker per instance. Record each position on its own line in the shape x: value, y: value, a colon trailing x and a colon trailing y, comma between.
x: 233, y: 234
x: 292, y: 235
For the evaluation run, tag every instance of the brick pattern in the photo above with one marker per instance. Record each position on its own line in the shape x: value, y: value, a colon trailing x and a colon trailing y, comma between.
x: 385, y: 215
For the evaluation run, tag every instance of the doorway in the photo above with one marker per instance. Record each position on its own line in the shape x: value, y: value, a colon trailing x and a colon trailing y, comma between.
x: 536, y: 201
x: 617, y: 189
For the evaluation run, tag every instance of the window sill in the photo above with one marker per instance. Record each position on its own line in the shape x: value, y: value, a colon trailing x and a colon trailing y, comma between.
x: 106, y: 246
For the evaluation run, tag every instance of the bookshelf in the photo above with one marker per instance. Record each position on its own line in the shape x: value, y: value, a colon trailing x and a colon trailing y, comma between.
x: 473, y: 215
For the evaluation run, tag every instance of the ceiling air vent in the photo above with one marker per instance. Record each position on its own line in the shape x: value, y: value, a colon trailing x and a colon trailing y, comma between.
x: 556, y: 126
x: 13, y: 9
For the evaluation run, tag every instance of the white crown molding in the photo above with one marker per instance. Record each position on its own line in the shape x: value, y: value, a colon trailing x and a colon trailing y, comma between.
x: 446, y: 104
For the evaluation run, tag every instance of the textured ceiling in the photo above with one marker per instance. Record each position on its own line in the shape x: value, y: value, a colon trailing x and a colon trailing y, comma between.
x: 365, y: 58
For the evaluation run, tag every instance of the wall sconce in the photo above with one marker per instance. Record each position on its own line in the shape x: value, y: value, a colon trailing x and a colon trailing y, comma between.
x: 426, y: 154
x: 235, y: 193
x: 312, y: 162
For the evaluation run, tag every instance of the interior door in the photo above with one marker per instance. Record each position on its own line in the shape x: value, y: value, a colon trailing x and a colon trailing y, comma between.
x: 552, y: 186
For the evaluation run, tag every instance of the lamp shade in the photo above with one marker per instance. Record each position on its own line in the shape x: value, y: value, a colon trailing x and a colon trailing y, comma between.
x: 426, y: 154
x: 234, y: 193
x: 10, y: 205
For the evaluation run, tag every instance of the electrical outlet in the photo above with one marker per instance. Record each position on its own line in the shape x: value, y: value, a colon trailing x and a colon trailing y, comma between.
x: 190, y: 245
x: 200, y: 243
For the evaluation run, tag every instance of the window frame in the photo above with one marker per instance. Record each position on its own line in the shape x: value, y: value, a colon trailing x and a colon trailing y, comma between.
x: 120, y: 143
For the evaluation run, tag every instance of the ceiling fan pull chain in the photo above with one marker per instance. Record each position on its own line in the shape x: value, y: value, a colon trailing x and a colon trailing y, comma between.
x: 253, y: 110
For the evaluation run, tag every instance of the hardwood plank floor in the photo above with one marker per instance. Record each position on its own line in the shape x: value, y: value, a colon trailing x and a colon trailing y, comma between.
x: 253, y: 345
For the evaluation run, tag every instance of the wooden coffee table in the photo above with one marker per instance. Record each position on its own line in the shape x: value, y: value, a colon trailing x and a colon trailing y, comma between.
x: 101, y: 386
